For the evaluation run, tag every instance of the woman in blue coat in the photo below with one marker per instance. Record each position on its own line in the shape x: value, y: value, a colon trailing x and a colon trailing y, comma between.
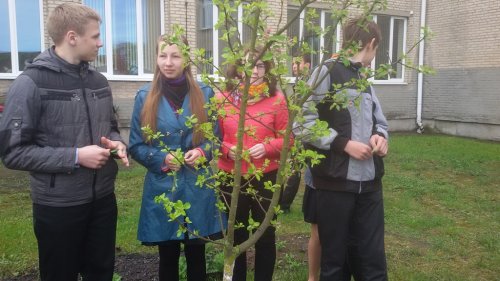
x: 164, y: 105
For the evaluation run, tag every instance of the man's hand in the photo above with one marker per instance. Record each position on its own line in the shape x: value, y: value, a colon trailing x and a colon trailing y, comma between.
x: 116, y: 147
x: 379, y: 145
x: 358, y: 150
x: 191, y: 156
x: 93, y: 156
x: 257, y: 151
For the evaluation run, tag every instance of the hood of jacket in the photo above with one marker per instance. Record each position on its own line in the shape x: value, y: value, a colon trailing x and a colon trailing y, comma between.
x: 50, y: 60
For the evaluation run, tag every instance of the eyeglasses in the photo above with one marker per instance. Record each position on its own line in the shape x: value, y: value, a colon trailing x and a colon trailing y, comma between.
x: 260, y: 66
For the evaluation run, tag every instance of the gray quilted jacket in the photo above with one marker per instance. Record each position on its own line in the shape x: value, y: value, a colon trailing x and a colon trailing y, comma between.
x: 52, y: 108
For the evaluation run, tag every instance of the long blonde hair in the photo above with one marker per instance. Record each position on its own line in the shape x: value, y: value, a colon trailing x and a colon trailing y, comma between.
x: 149, y: 111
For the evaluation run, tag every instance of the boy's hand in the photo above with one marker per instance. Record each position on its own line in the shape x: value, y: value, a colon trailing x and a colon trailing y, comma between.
x: 379, y: 145
x: 358, y: 150
x: 117, y: 148
x: 93, y: 156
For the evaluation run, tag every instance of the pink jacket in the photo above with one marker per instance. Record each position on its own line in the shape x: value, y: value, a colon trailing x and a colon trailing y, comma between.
x: 265, y: 123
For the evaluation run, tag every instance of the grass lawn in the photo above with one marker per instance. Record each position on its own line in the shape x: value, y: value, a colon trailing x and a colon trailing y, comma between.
x: 441, y: 210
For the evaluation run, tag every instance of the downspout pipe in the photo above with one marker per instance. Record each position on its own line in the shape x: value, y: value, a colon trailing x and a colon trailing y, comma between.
x: 420, y: 78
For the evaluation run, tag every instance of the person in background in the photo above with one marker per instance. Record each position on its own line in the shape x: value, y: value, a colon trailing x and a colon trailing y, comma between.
x: 300, y: 69
x: 164, y: 106
x: 349, y: 212
x: 267, y: 119
x: 59, y: 124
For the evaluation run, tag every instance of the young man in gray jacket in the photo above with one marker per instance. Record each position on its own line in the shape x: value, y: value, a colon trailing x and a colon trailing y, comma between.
x: 348, y: 180
x: 59, y: 125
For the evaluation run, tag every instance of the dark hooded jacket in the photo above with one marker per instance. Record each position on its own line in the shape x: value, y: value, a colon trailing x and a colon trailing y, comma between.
x: 52, y: 108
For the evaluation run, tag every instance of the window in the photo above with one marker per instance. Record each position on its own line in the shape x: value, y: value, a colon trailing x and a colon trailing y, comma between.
x: 392, y: 47
x: 329, y: 42
x: 207, y: 16
x: 205, y: 31
x: 129, y: 31
x: 21, y: 28
x: 214, y: 48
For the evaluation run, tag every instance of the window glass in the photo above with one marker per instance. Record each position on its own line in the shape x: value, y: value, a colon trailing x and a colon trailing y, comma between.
x: 28, y: 30
x: 391, y: 47
x: 100, y: 62
x: 124, y: 28
x: 293, y: 32
x: 224, y: 43
x: 5, y: 51
x: 247, y: 32
x: 397, y: 49
x: 151, y: 29
x: 25, y: 44
x: 205, y: 31
x: 382, y: 56
x: 121, y: 20
x: 312, y: 38
x: 331, y: 37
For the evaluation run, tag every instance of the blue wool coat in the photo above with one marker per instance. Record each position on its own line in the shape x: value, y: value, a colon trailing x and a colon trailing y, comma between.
x: 153, y: 221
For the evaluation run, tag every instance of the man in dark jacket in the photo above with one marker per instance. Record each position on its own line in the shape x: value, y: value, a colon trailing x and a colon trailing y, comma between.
x: 59, y: 125
x: 348, y: 180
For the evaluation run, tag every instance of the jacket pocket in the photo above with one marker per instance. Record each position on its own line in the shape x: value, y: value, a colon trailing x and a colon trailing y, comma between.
x: 334, y: 165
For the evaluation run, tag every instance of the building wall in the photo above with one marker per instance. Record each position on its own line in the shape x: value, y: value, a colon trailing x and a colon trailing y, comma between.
x: 399, y: 101
x: 463, y: 97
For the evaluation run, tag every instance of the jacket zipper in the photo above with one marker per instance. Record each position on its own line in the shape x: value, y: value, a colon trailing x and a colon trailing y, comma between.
x: 89, y: 123
x: 52, y: 180
x: 362, y: 124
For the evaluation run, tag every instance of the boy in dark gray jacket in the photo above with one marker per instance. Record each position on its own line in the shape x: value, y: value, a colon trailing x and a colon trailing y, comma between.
x: 59, y: 125
x: 348, y: 181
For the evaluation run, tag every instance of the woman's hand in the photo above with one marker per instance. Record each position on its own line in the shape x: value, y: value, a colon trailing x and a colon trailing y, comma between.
x: 172, y: 163
x: 191, y: 156
x: 232, y: 153
x: 257, y: 151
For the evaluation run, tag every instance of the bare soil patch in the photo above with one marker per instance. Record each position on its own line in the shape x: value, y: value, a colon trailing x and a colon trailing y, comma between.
x: 144, y: 267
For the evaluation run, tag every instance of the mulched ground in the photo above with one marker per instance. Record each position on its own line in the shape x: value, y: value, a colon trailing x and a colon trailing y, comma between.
x: 144, y: 267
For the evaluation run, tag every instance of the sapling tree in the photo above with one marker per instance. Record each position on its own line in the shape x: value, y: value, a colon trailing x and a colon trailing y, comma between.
x: 273, y: 45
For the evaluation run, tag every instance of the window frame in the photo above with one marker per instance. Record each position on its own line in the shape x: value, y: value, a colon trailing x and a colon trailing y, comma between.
x: 108, y: 27
x: 322, y: 24
x: 390, y: 80
x: 215, y: 44
x: 14, y: 51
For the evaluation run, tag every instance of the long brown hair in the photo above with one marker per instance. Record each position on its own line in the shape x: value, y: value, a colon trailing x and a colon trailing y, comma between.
x: 149, y: 111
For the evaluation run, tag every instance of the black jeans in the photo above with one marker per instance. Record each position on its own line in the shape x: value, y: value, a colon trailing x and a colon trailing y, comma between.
x: 265, y: 248
x: 351, y: 228
x: 169, y: 261
x: 76, y: 240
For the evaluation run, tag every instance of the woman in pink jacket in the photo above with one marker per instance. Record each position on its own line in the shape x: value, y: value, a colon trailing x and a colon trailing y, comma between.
x: 265, y: 123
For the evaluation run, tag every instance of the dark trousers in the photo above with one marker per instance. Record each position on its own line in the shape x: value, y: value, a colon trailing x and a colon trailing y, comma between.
x: 351, y: 228
x: 265, y: 248
x: 76, y: 240
x: 291, y: 188
x: 169, y: 261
